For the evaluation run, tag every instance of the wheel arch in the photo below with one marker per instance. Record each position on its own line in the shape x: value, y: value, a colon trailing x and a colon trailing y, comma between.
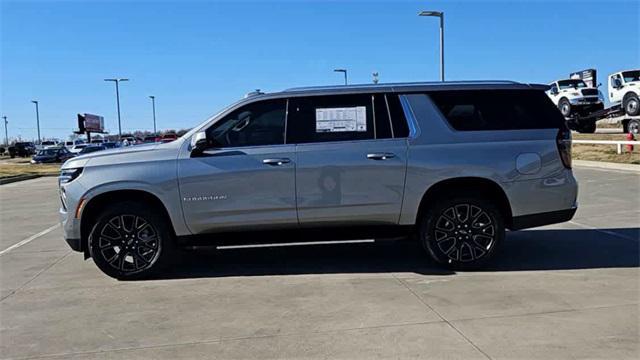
x: 473, y: 186
x: 97, y: 203
x: 629, y: 94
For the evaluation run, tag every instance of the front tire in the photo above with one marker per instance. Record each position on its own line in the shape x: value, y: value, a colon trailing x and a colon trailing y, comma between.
x: 631, y: 105
x: 129, y: 241
x: 565, y: 107
x: 462, y: 232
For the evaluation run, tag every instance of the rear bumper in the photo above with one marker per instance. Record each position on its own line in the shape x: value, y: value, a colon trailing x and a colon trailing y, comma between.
x: 540, y: 219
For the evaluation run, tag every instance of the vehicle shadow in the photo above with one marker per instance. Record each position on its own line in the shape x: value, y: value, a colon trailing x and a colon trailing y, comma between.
x: 557, y: 249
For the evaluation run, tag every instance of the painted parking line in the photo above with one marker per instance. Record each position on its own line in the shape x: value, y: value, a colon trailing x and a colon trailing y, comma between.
x: 29, y: 239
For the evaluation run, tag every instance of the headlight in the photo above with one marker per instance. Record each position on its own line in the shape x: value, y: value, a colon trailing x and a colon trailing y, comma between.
x: 575, y: 93
x: 68, y: 175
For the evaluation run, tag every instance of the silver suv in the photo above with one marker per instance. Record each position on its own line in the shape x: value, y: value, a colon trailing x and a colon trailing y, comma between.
x: 452, y: 165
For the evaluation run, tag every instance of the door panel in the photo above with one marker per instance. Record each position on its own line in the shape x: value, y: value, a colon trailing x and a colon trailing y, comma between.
x: 233, y: 189
x: 351, y: 182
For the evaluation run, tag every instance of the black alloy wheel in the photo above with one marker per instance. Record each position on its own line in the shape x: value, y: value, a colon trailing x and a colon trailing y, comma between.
x: 463, y: 232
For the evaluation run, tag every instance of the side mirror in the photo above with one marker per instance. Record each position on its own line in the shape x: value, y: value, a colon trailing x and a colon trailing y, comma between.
x: 198, y: 143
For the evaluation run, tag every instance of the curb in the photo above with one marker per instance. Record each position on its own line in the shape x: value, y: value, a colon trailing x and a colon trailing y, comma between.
x: 12, y: 179
x: 607, y: 165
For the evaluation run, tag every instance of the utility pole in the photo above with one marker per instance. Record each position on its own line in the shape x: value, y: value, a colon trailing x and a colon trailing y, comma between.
x: 117, y: 81
x: 37, y: 120
x: 153, y: 105
x: 6, y: 134
x: 345, y: 74
x: 440, y: 15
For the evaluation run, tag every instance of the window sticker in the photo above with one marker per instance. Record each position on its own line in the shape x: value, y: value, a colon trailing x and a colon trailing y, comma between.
x: 341, y: 119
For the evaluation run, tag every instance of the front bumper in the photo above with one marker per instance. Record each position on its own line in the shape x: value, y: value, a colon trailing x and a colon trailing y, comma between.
x: 70, y: 230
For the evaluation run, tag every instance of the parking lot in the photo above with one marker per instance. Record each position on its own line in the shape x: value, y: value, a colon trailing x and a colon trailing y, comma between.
x: 565, y: 291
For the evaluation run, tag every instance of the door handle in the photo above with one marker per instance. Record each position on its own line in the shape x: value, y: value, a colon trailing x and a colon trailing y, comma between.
x: 380, y: 156
x: 276, y: 162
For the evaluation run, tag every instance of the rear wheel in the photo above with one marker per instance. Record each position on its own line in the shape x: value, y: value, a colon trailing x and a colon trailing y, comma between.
x: 565, y: 107
x: 631, y: 105
x: 129, y: 241
x: 633, y: 127
x: 462, y: 232
x: 588, y: 128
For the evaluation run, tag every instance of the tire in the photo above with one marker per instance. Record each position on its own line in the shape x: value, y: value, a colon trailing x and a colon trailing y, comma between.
x: 149, y: 247
x: 634, y: 127
x: 565, y: 107
x: 462, y: 217
x: 631, y: 105
x: 589, y: 128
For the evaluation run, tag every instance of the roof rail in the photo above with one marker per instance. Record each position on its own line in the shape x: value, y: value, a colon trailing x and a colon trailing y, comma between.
x: 426, y: 83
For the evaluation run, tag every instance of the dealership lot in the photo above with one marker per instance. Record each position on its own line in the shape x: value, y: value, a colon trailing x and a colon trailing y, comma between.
x: 569, y: 290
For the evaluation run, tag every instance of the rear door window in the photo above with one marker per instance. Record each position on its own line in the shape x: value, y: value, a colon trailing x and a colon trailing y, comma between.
x: 478, y: 110
x: 330, y: 118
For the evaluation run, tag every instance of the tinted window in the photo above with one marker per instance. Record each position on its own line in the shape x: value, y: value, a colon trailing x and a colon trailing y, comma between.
x: 498, y: 109
x: 400, y: 127
x: 381, y: 114
x: 330, y: 118
x: 260, y: 123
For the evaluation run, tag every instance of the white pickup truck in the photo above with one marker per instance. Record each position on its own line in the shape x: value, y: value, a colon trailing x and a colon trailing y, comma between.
x: 624, y: 89
x: 575, y: 98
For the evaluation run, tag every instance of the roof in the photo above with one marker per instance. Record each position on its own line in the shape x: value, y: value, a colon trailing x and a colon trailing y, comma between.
x: 415, y: 87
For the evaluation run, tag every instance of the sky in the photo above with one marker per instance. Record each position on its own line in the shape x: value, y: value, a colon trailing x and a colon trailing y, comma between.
x: 196, y: 57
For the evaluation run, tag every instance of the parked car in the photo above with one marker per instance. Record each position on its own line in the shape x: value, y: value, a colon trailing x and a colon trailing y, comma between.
x: 452, y: 165
x: 97, y: 141
x: 52, y: 155
x: 22, y: 149
x: 71, y: 144
x: 111, y: 144
x: 77, y: 148
x: 151, y: 139
x: 624, y: 89
x: 91, y: 148
x: 48, y: 144
x: 168, y: 138
x: 574, y: 96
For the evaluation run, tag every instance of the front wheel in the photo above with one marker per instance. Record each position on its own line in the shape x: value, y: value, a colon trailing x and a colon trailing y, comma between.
x: 129, y: 241
x: 565, y: 107
x: 631, y: 105
x: 463, y: 232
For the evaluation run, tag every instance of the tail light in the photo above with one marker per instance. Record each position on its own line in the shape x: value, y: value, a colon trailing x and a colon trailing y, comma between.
x: 563, y: 140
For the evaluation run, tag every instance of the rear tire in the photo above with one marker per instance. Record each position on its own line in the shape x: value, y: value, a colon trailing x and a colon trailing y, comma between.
x: 633, y: 127
x: 565, y: 107
x: 589, y: 128
x: 631, y: 105
x: 129, y: 241
x: 462, y: 232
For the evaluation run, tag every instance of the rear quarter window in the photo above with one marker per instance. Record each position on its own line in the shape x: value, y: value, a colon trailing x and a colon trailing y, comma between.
x: 478, y: 110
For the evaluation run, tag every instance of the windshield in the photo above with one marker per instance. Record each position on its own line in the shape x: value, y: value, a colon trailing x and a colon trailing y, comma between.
x: 571, y: 84
x: 48, y: 152
x: 629, y: 76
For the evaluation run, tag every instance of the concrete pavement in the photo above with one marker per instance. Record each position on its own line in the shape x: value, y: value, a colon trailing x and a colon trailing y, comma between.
x: 565, y: 291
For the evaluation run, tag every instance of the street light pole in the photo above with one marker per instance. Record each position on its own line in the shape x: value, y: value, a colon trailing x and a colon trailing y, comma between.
x: 6, y: 134
x: 345, y: 74
x: 153, y: 105
x: 37, y: 120
x: 117, y: 82
x: 439, y: 14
